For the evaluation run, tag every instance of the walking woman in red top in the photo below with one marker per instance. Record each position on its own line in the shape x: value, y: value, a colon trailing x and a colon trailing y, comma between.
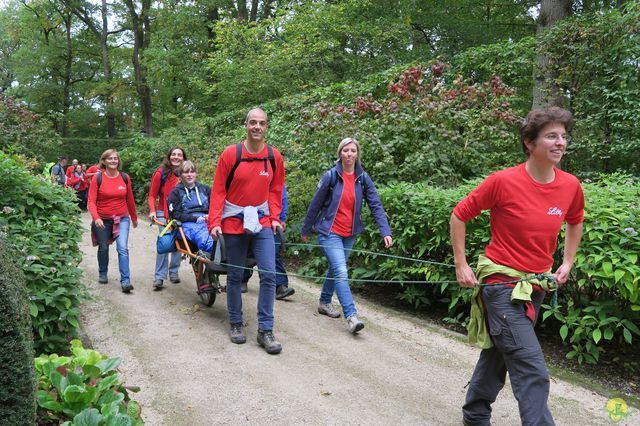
x: 335, y: 213
x: 113, y: 210
x: 528, y: 205
x: 163, y: 181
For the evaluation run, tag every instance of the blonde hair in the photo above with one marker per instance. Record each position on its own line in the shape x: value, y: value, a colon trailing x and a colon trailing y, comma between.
x: 108, y: 153
x: 344, y: 142
x: 186, y: 166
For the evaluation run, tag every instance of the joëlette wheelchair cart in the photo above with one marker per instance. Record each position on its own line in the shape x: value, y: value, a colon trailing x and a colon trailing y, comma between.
x: 208, y: 270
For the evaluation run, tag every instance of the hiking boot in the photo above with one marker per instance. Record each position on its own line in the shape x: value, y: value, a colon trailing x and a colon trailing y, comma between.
x: 102, y: 279
x: 157, y: 284
x: 328, y: 310
x: 174, y: 279
x: 267, y: 340
x: 236, y: 333
x: 243, y: 287
x: 354, y: 324
x: 282, y: 292
x: 126, y: 287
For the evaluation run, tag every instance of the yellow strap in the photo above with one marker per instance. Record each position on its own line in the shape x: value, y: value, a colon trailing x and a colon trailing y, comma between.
x: 167, y: 228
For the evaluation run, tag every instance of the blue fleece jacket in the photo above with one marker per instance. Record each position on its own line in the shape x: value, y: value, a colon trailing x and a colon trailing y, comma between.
x: 324, y: 205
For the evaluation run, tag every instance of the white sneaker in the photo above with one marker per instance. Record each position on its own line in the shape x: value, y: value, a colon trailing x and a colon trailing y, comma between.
x: 354, y: 324
x: 328, y: 310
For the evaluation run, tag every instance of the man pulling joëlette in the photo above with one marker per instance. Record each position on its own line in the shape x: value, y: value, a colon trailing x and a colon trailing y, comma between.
x: 245, y: 209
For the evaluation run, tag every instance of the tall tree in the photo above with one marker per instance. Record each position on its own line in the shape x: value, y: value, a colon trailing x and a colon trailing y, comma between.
x: 98, y: 27
x: 141, y: 28
x: 546, y: 92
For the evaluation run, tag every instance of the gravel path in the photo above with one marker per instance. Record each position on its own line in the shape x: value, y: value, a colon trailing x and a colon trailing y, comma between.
x: 399, y: 370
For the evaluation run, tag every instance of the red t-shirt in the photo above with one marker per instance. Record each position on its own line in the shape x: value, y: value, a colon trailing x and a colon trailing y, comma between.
x: 113, y: 198
x: 526, y: 216
x: 253, y: 183
x: 343, y: 223
x: 158, y: 193
x: 69, y: 171
x: 91, y: 171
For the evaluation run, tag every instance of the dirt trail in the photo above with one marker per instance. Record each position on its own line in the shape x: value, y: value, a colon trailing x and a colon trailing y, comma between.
x: 398, y: 371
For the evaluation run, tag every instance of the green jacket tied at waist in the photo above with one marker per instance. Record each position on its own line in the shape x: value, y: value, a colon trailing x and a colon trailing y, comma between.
x: 477, y: 328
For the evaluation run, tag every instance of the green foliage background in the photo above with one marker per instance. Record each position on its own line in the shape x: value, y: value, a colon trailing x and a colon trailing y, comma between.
x: 41, y: 224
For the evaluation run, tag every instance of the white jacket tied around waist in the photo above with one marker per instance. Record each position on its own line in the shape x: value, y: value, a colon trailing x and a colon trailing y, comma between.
x: 250, y: 217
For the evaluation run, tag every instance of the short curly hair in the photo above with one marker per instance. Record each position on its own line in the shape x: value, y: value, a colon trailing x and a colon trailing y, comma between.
x: 540, y: 117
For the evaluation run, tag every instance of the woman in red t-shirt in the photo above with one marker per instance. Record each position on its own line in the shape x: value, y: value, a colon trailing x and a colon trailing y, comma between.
x: 335, y: 213
x: 78, y: 181
x: 113, y: 210
x: 528, y: 205
x: 163, y: 180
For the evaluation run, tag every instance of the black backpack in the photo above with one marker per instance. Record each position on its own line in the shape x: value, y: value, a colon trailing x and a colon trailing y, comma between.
x: 270, y: 157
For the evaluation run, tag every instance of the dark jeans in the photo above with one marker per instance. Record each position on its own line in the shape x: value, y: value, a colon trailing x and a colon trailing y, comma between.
x: 263, y: 247
x: 516, y: 350
x: 281, y: 275
x: 82, y: 199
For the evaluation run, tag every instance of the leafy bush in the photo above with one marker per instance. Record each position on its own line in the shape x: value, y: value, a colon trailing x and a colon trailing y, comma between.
x: 23, y: 132
x: 84, y: 389
x: 17, y: 382
x: 602, y: 301
x: 42, y: 225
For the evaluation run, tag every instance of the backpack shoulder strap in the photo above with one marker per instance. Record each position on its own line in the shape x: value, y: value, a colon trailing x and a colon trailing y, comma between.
x: 235, y: 166
x: 164, y: 176
x: 272, y: 158
x: 125, y: 178
x: 99, y: 179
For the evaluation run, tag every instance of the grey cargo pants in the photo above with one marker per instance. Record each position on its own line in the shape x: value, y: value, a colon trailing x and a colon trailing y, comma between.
x: 517, y: 351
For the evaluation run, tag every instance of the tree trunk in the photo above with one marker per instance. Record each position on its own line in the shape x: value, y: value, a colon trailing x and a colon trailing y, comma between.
x: 545, y: 91
x: 106, y: 70
x: 267, y: 9
x: 242, y: 10
x: 254, y: 11
x: 213, y: 16
x: 140, y: 25
x: 66, y: 78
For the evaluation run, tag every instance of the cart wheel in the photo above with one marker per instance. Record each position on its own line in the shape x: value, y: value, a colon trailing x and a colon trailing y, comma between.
x: 203, y: 275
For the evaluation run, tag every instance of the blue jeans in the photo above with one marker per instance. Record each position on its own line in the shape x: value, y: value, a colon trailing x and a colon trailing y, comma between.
x: 337, y: 250
x: 281, y: 276
x: 263, y: 247
x: 122, y: 242
x: 162, y: 260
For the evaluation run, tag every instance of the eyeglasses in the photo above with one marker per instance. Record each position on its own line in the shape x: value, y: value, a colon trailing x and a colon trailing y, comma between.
x: 555, y: 137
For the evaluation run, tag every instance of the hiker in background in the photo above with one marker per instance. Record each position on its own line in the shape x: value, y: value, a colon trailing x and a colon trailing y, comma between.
x: 282, y: 281
x: 163, y: 181
x: 92, y: 171
x: 245, y: 208
x: 335, y: 213
x: 528, y: 205
x: 72, y: 168
x: 113, y: 210
x: 57, y: 172
x: 78, y: 181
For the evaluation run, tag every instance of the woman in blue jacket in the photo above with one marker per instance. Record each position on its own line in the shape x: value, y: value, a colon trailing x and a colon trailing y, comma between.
x: 188, y: 202
x: 335, y: 213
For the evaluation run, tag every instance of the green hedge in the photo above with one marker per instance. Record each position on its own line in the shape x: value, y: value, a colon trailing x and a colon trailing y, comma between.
x: 17, y: 381
x: 42, y: 224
